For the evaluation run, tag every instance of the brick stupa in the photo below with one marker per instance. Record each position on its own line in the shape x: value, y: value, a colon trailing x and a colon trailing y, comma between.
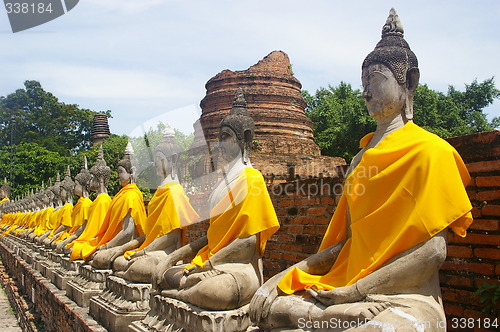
x: 283, y: 133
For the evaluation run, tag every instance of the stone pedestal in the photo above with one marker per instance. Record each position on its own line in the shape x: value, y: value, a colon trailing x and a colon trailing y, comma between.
x: 121, y: 303
x: 90, y: 282
x: 49, y: 265
x: 67, y: 270
x: 168, y: 314
x: 41, y: 256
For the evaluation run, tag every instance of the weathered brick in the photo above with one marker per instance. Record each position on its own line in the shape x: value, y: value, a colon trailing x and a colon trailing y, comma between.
x: 476, y: 212
x: 453, y: 309
x: 454, y: 280
x: 484, y: 239
x: 316, y: 211
x: 491, y: 210
x: 459, y: 251
x: 488, y: 181
x: 464, y: 266
x: 489, y: 253
x: 484, y: 166
x: 488, y: 195
x: 485, y: 224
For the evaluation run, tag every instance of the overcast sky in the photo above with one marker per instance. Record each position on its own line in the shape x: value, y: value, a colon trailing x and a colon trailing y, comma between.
x: 144, y: 59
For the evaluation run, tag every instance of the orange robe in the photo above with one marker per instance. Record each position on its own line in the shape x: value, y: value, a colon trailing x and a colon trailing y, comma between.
x: 128, y: 200
x: 169, y: 209
x: 405, y: 190
x: 61, y: 217
x: 96, y: 214
x: 79, y: 216
x: 245, y: 210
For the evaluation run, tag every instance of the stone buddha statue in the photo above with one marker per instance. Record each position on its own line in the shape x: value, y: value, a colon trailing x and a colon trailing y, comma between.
x: 225, y: 266
x: 124, y: 221
x: 168, y: 212
x: 54, y: 194
x: 377, y: 266
x: 80, y: 213
x: 4, y: 195
x: 98, y: 182
x: 62, y: 215
x: 43, y: 212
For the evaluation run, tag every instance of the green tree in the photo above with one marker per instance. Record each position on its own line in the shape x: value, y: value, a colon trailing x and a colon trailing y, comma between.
x: 28, y: 165
x: 37, y: 116
x: 340, y: 119
x: 40, y: 137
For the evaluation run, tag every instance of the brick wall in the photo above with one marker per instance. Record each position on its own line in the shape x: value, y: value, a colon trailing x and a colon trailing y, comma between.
x: 40, y: 305
x: 474, y: 259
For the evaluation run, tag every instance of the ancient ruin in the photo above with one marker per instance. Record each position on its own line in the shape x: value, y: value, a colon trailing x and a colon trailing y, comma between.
x: 283, y: 141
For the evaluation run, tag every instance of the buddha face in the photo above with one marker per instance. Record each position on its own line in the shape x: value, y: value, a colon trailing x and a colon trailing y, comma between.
x: 94, y: 182
x: 64, y: 194
x: 124, y: 177
x: 229, y: 144
x: 384, y: 96
x: 162, y: 164
x: 78, y: 189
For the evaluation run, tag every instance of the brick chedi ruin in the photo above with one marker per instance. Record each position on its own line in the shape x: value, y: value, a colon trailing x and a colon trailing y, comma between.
x: 100, y: 129
x: 283, y: 132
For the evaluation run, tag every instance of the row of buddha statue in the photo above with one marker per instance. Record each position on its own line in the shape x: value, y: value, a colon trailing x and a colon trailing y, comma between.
x: 377, y: 265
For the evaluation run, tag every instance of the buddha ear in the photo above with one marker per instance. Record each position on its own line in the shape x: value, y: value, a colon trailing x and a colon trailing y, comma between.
x: 412, y: 78
x: 132, y: 175
x: 247, y: 136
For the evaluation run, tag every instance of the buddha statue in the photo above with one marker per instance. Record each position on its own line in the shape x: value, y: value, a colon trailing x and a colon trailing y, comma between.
x: 4, y: 196
x: 169, y: 212
x: 41, y: 218
x: 377, y: 265
x: 80, y: 213
x: 52, y: 223
x: 62, y: 215
x: 124, y: 220
x: 225, y: 266
x: 98, y: 183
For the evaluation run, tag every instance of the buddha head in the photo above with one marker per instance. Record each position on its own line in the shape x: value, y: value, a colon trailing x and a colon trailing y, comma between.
x: 390, y: 73
x: 55, y: 190
x: 99, y: 173
x: 126, y: 170
x: 67, y: 186
x: 236, y: 131
x: 82, y: 180
x: 166, y: 154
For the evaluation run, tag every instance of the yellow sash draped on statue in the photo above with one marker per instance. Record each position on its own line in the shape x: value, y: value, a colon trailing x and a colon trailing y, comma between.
x: 128, y: 200
x: 405, y: 190
x: 63, y: 218
x: 79, y: 215
x: 43, y: 221
x: 246, y: 210
x: 96, y: 214
x: 169, y: 209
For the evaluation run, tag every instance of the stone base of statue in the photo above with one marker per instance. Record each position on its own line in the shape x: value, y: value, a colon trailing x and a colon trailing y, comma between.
x: 41, y: 256
x: 67, y: 270
x: 48, y: 267
x: 121, y: 303
x: 169, y: 314
x: 89, y: 282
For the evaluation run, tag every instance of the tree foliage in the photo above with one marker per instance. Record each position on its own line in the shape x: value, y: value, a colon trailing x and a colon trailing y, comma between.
x: 40, y: 136
x: 341, y: 119
x: 37, y: 116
